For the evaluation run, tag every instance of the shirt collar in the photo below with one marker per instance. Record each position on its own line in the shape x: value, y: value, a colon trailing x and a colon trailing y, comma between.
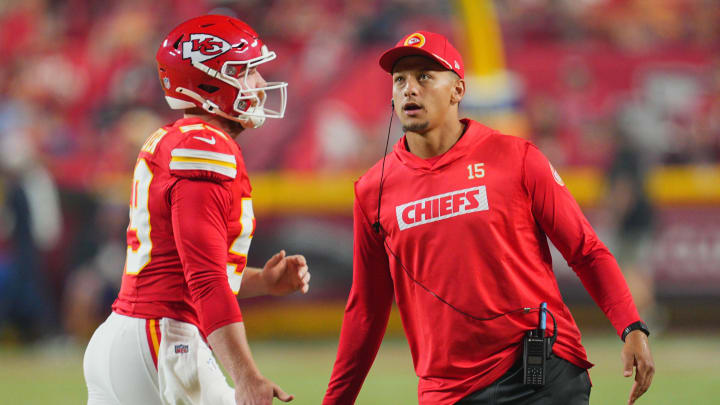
x: 474, y: 134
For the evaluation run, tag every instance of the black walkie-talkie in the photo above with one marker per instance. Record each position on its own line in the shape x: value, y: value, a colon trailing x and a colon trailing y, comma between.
x: 535, y: 352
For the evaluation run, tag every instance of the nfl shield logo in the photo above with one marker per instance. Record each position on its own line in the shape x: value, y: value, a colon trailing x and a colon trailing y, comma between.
x: 181, y: 349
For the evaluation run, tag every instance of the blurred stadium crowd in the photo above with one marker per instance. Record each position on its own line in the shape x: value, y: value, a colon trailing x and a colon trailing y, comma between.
x: 618, y: 86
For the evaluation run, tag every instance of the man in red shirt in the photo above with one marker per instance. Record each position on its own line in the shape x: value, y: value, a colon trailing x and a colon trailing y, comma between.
x: 191, y: 224
x: 453, y: 225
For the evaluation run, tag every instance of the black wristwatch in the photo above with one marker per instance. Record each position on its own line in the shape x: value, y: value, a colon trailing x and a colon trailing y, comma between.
x: 639, y: 325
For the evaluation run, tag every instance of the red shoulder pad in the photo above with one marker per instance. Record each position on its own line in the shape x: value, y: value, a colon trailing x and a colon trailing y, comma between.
x: 203, y: 153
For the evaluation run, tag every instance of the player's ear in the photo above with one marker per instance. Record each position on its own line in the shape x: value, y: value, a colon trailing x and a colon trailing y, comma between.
x: 457, y: 90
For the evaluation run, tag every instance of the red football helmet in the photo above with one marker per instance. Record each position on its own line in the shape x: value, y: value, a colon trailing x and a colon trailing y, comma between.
x: 205, y: 62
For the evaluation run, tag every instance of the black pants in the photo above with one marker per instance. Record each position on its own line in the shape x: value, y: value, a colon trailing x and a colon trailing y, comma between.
x: 565, y: 384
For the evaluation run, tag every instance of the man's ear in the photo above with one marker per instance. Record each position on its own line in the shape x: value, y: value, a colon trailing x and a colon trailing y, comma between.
x: 457, y: 91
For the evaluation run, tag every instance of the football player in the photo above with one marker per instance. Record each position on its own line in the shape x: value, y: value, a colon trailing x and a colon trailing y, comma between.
x: 191, y: 224
x: 453, y: 224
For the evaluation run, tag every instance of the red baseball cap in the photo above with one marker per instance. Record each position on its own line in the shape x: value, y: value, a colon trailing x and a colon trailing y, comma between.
x: 425, y: 43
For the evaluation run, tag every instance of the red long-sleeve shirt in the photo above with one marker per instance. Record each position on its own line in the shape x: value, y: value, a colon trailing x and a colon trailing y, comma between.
x: 191, y: 222
x: 471, y: 228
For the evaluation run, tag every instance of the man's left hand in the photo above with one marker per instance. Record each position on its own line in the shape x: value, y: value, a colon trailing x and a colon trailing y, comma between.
x: 285, y: 275
x: 636, y: 352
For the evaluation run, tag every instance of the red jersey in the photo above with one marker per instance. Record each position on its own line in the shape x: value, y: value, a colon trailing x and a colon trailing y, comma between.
x: 470, y: 228
x: 191, y: 223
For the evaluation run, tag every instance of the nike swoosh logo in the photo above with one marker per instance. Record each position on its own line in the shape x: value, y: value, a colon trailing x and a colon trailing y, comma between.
x: 211, y: 140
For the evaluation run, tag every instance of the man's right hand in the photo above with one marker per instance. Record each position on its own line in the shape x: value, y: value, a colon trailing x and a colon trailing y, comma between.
x: 258, y: 390
x: 231, y: 348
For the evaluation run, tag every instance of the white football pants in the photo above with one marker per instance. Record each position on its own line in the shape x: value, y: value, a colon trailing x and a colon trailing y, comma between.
x: 120, y: 364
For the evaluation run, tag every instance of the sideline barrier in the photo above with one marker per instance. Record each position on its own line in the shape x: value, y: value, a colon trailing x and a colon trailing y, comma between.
x: 310, y: 319
x: 288, y: 193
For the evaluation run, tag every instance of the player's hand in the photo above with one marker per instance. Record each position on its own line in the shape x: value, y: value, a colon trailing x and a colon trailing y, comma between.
x: 636, y: 352
x: 258, y: 390
x: 285, y: 275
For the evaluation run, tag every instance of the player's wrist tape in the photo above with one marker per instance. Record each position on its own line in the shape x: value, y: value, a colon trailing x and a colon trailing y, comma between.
x: 639, y: 325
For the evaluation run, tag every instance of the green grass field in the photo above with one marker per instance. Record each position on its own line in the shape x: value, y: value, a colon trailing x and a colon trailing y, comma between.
x: 688, y: 372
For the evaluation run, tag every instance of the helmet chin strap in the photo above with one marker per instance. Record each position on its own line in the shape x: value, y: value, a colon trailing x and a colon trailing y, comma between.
x: 256, y: 114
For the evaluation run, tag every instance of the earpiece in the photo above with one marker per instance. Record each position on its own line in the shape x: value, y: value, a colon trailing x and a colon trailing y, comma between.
x: 392, y: 103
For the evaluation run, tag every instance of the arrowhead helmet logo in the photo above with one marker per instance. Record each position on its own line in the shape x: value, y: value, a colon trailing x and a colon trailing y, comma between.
x: 202, y: 47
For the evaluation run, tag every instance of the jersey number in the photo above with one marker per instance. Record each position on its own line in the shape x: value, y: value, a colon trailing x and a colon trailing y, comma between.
x: 241, y: 244
x: 138, y: 232
x: 476, y: 171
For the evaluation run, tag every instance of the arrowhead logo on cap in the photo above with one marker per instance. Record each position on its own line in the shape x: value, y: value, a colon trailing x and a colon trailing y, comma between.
x: 417, y: 40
